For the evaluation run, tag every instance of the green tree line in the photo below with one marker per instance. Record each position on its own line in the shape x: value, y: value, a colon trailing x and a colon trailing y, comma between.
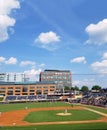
x: 83, y: 88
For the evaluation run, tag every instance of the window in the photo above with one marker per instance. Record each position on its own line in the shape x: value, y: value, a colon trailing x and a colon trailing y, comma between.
x: 45, y: 87
x: 25, y: 89
x: 32, y: 87
x: 32, y: 90
x: 39, y: 87
x: 52, y: 87
x: 45, y: 92
x: 38, y: 92
x: 17, y: 90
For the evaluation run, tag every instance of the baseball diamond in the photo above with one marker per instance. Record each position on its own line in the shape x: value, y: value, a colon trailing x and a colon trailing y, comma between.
x: 37, y: 114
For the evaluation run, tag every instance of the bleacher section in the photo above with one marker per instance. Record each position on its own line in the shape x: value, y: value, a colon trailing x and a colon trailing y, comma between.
x: 32, y: 97
x: 95, y: 99
x: 11, y: 98
x: 22, y: 98
x: 53, y: 97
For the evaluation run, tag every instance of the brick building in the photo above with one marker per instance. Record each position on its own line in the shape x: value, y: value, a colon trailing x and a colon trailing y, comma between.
x: 62, y: 78
x: 30, y: 88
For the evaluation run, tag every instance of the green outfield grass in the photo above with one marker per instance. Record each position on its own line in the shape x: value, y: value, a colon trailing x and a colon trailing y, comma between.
x: 20, y: 106
x: 50, y: 116
x: 92, y: 126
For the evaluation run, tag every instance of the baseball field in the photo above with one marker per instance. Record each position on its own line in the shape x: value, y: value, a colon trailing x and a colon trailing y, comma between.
x: 52, y: 116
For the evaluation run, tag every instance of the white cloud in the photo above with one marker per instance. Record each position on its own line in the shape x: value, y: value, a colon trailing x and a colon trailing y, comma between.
x: 78, y: 60
x: 11, y: 60
x: 100, y: 64
x: 48, y: 40
x: 87, y: 82
x: 100, y: 67
x: 25, y: 63
x: 5, y: 22
x: 32, y: 74
x: 2, y: 59
x: 104, y: 55
x: 97, y: 33
x: 48, y: 37
x: 6, y: 7
x: 42, y: 65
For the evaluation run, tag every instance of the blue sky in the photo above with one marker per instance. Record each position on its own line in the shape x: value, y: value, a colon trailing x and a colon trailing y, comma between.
x: 55, y: 34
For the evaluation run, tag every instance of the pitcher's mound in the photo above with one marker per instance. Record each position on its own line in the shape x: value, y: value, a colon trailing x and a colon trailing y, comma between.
x: 63, y: 114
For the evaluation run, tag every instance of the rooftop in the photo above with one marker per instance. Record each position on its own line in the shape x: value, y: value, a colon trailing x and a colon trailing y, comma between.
x: 57, y: 70
x: 26, y: 83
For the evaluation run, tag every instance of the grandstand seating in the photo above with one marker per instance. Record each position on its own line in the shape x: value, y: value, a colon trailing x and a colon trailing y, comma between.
x: 95, y: 99
x: 98, y: 99
x: 32, y: 97
x: 10, y: 98
x: 41, y: 97
x: 52, y: 97
x: 21, y: 97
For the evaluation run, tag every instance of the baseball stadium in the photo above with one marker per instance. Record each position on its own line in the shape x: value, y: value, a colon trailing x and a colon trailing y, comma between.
x: 52, y: 115
x: 23, y: 107
x: 53, y: 64
x: 44, y: 105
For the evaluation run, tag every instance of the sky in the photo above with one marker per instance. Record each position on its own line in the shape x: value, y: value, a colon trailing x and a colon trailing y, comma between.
x: 55, y: 34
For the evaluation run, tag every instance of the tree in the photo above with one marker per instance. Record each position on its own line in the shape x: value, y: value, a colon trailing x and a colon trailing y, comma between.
x: 72, y: 88
x: 84, y: 89
x: 67, y: 88
x: 76, y: 88
x: 96, y: 87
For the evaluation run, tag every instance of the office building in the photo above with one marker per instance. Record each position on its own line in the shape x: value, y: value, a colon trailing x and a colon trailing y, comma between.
x: 12, y: 77
x: 62, y: 78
